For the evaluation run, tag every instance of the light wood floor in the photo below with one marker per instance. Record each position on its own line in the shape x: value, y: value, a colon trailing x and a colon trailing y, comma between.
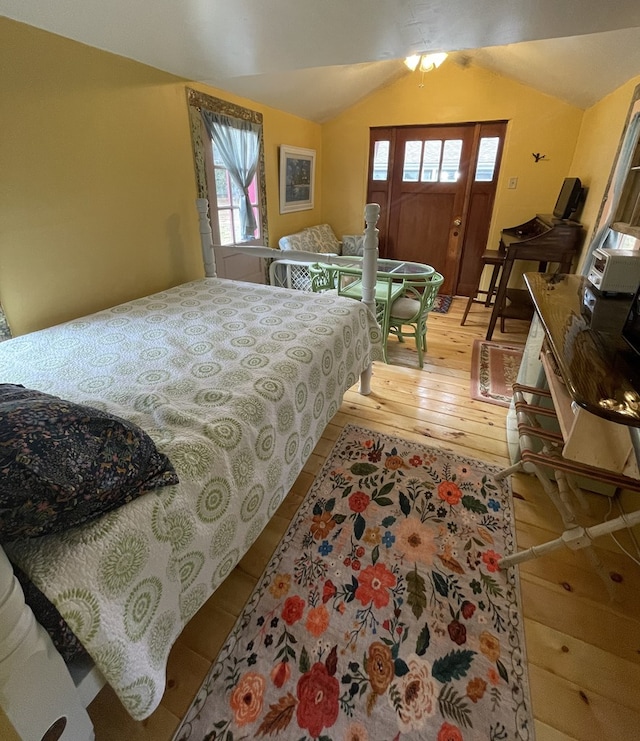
x: 583, y: 649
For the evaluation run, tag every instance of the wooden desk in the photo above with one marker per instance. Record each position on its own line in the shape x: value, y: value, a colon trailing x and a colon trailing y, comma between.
x: 558, y: 244
x: 601, y: 373
x: 594, y: 382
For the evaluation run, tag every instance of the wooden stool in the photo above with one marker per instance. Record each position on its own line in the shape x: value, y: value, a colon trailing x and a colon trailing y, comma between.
x: 495, y: 258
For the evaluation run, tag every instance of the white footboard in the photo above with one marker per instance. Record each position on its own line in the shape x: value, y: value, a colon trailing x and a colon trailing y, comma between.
x: 36, y: 689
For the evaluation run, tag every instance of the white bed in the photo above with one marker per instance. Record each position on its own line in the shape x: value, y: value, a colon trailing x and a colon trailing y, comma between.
x: 235, y: 383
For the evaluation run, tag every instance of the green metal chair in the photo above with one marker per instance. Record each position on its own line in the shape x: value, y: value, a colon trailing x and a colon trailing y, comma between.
x: 412, y: 309
x: 323, y: 277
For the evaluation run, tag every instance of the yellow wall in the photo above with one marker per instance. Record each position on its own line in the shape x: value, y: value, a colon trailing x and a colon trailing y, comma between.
x: 97, y: 181
x: 452, y: 94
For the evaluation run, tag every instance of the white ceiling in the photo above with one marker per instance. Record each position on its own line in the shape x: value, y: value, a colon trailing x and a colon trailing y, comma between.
x: 314, y: 58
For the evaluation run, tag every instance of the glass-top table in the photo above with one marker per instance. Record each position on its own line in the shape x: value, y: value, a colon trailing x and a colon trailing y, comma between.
x: 395, y: 269
x: 389, y: 286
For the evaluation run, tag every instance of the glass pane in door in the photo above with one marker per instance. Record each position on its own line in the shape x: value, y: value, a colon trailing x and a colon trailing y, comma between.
x: 431, y: 161
x: 487, y: 155
x: 381, y: 160
x: 412, y: 157
x: 450, y: 170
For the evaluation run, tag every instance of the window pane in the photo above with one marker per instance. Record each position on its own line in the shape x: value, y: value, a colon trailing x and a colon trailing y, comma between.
x: 237, y: 227
x: 412, y: 153
x: 222, y: 187
x: 235, y: 192
x: 226, y: 228
x: 450, y: 171
x: 628, y: 208
x: 381, y: 160
x: 256, y: 214
x: 487, y: 155
x: 431, y: 161
x: 253, y: 191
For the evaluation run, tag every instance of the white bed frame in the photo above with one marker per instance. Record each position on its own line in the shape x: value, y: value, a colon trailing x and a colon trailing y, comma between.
x: 38, y: 691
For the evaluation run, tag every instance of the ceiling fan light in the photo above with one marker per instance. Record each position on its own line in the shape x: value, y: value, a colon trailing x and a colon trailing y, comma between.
x: 412, y: 61
x: 432, y: 61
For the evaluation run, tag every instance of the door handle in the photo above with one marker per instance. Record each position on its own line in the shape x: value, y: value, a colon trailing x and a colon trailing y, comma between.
x: 457, y: 222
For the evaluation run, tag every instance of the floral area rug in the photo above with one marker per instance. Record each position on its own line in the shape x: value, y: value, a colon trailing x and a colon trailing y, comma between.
x: 383, y: 613
x: 494, y: 370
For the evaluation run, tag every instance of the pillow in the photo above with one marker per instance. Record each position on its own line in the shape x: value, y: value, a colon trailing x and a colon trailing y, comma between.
x: 353, y: 244
x: 322, y: 239
x: 62, y: 464
x: 297, y: 241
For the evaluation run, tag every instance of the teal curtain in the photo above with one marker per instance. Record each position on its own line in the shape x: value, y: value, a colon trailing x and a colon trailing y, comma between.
x: 238, y: 143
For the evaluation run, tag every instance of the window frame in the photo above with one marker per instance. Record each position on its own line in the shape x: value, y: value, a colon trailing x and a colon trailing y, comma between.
x: 203, y: 157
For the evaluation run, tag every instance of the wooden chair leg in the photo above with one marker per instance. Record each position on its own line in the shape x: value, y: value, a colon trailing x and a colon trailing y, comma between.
x: 467, y: 307
x: 419, y: 348
x: 489, y: 258
x: 492, y: 285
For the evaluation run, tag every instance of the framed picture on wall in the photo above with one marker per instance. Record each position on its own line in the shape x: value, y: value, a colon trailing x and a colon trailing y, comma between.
x: 297, y: 174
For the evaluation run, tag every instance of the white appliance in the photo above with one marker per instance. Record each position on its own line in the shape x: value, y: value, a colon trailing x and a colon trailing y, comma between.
x: 615, y: 270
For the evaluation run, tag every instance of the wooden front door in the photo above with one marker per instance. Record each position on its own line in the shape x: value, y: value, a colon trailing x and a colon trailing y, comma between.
x: 436, y: 186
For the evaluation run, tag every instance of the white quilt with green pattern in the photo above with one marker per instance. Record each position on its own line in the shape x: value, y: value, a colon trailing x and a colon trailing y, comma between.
x: 235, y: 382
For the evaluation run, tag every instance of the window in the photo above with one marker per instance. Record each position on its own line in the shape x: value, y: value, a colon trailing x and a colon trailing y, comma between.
x: 619, y: 212
x: 487, y: 157
x: 215, y: 181
x: 227, y: 204
x: 227, y: 200
x: 628, y: 208
x: 381, y: 160
x: 432, y: 161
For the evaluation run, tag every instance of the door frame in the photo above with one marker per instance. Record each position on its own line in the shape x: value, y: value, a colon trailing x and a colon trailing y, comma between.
x: 380, y: 190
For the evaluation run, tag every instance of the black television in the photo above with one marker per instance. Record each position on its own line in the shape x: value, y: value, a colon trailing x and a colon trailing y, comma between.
x: 569, y: 198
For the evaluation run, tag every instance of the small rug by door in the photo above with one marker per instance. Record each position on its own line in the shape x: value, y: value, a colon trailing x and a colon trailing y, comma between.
x: 442, y: 304
x: 494, y: 369
x: 383, y: 613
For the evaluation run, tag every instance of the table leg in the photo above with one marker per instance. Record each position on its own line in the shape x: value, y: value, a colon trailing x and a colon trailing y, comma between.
x: 565, y: 264
x: 384, y: 326
x: 500, y: 296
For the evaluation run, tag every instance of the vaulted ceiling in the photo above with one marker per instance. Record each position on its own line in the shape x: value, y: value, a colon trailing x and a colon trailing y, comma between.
x: 314, y: 58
